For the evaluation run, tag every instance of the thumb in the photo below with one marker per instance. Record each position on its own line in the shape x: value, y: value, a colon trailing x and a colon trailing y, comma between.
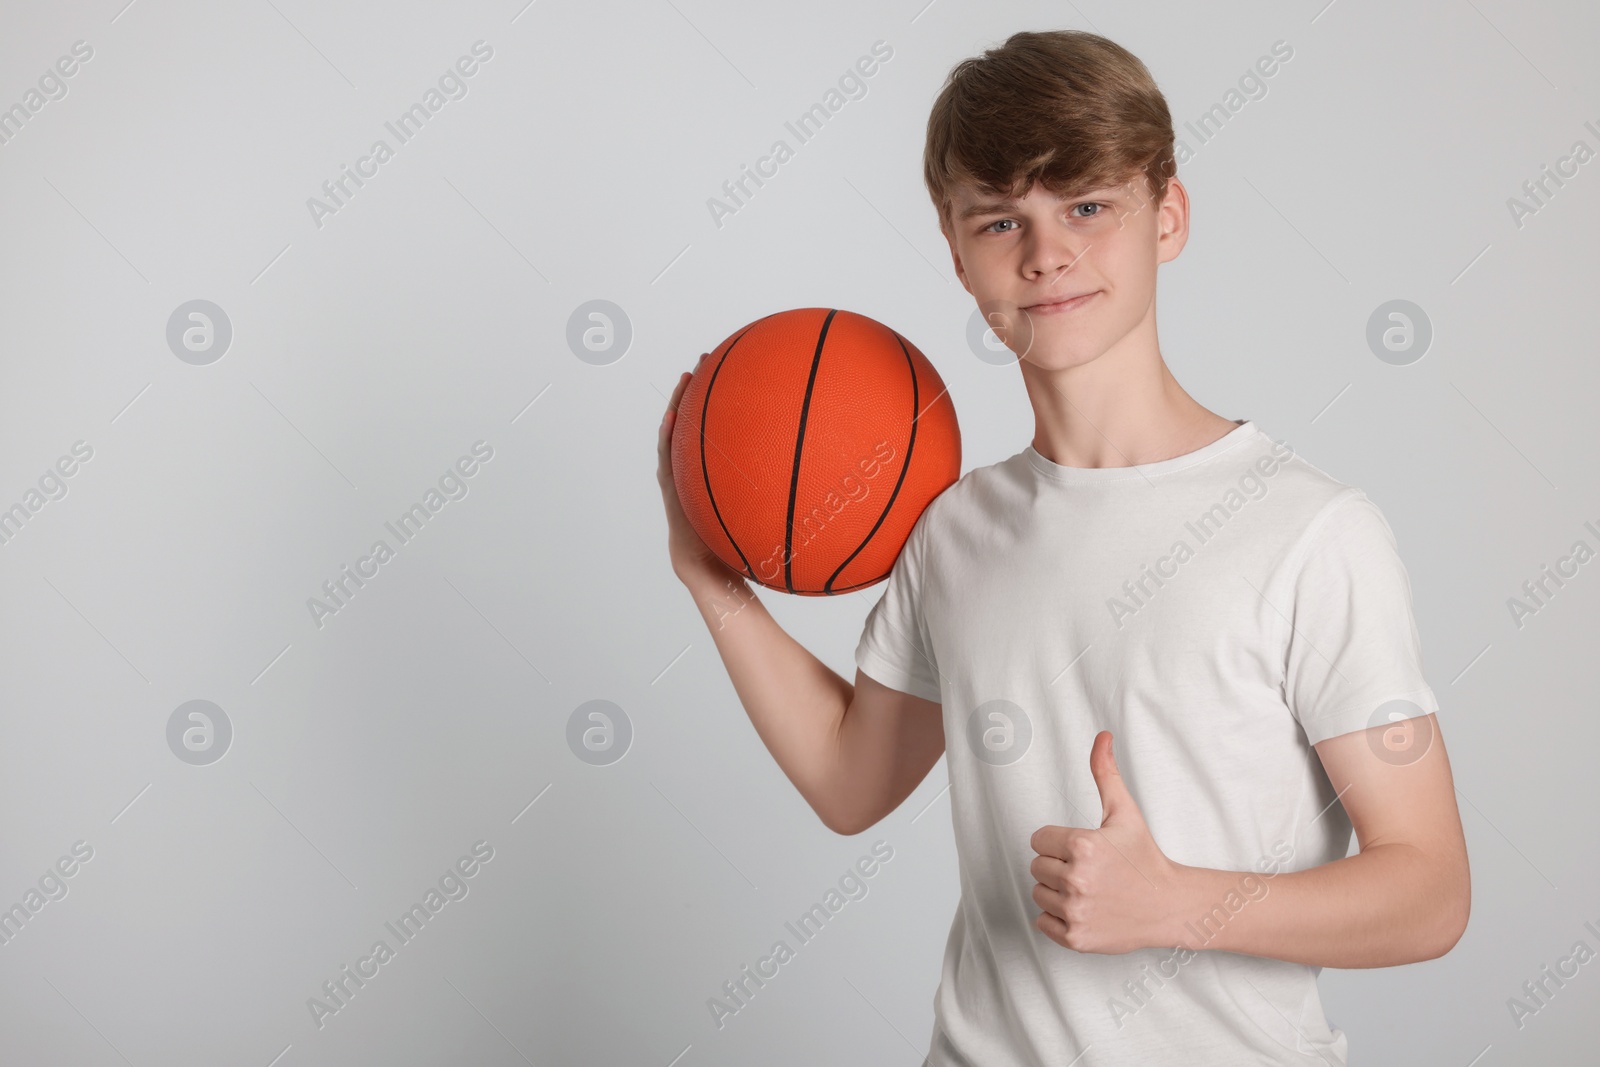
x: 1116, y: 803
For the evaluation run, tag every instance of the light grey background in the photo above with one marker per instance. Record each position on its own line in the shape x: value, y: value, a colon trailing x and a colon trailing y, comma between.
x: 431, y: 312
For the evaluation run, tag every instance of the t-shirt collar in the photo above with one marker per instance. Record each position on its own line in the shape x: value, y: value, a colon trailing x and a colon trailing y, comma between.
x: 1101, y: 475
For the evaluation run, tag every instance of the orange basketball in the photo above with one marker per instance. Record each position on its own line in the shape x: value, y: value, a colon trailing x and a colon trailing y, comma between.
x: 806, y: 446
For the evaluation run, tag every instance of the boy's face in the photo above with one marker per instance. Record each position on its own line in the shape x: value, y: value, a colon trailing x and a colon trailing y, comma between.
x: 1098, y: 250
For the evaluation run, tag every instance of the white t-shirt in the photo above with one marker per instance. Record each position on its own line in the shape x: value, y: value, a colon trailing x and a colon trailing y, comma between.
x: 1219, y: 612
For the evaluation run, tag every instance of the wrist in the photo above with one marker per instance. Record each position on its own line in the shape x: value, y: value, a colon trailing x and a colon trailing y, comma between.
x: 718, y: 584
x: 705, y: 579
x: 1187, y: 888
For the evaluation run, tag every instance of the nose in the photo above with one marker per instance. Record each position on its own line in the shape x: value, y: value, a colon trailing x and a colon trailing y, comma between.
x: 1050, y: 254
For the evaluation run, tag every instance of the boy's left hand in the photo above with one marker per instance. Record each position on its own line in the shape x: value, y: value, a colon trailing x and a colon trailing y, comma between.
x: 1109, y: 889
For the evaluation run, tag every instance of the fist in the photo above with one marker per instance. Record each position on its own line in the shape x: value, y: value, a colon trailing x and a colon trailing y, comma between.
x: 1108, y: 889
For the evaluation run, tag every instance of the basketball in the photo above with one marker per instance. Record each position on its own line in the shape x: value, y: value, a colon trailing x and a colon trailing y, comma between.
x: 807, y: 444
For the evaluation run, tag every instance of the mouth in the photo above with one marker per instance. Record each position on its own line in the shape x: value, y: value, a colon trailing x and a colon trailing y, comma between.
x: 1071, y: 303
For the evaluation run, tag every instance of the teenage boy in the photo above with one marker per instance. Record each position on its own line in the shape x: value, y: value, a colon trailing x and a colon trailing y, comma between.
x: 1145, y: 568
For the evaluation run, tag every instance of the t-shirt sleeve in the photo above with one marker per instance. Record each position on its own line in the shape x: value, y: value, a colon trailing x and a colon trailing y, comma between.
x: 894, y: 648
x: 1353, y: 645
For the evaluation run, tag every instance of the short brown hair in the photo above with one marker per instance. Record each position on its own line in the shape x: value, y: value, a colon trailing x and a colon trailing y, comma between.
x: 1067, y: 109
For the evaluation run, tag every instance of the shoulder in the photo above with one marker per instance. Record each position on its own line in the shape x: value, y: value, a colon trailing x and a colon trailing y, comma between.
x: 975, y: 493
x: 1303, y: 486
x: 1316, y: 506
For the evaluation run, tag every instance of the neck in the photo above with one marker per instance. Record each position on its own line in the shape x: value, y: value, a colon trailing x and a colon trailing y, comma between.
x: 1121, y: 409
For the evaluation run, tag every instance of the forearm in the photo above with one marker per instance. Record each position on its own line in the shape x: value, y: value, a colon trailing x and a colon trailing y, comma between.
x: 795, y: 702
x: 1385, y: 906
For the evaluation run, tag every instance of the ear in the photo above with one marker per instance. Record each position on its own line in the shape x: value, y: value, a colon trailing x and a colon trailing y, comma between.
x: 1172, y: 222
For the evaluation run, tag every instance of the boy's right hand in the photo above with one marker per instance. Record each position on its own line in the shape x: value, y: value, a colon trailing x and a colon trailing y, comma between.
x: 692, y: 559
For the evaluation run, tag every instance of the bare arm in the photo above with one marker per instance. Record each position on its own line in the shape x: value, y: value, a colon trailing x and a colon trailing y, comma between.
x: 1403, y: 898
x: 854, y: 752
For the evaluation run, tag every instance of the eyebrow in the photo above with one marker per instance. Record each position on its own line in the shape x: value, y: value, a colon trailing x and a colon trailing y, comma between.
x: 987, y: 207
x: 996, y: 207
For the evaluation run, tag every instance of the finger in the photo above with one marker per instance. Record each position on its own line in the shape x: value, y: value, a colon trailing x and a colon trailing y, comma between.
x: 1049, y: 870
x: 1053, y: 841
x: 702, y: 359
x: 1116, y: 801
x: 677, y: 392
x: 664, y: 435
x: 1053, y: 928
x: 1050, y: 901
x: 668, y: 417
x: 664, y: 431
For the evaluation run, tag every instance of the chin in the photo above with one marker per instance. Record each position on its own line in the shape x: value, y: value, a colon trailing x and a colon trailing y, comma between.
x: 1061, y: 355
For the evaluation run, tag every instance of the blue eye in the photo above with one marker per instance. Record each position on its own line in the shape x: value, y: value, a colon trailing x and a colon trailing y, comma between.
x: 1097, y: 205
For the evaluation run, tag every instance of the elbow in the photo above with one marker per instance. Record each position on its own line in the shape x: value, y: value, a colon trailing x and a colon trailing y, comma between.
x: 1440, y: 904
x: 1457, y: 927
x: 1443, y: 942
x: 845, y: 823
x: 843, y: 827
x: 1452, y: 917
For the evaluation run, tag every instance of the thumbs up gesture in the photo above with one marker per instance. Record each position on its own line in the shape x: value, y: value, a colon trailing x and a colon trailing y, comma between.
x: 1108, y: 889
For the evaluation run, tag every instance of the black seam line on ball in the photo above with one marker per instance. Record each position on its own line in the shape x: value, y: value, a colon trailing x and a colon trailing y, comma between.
x: 858, y: 585
x: 705, y: 473
x: 911, y: 445
x: 799, y: 446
